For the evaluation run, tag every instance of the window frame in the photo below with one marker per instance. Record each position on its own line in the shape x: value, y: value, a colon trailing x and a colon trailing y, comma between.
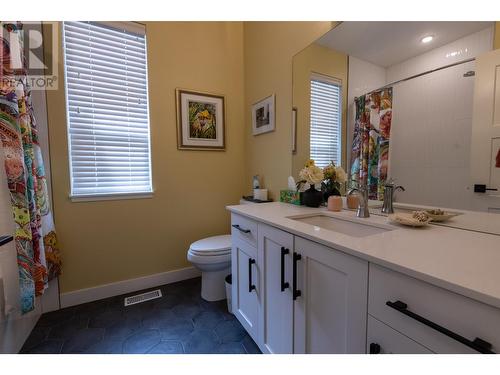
x: 131, y: 27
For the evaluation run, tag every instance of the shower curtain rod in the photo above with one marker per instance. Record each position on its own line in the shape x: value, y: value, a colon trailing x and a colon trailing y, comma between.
x: 419, y: 75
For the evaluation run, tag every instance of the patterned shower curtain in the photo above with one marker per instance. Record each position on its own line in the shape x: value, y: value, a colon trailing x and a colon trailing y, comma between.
x: 370, y: 145
x: 35, y: 239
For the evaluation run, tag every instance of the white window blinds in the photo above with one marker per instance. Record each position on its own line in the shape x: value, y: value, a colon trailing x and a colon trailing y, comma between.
x: 325, y: 144
x: 107, y: 107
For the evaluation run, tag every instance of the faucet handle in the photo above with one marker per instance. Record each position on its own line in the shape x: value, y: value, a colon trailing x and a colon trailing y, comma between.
x: 390, y: 182
x: 399, y: 187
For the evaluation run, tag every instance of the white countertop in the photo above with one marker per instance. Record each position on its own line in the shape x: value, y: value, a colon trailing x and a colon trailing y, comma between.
x: 462, y: 261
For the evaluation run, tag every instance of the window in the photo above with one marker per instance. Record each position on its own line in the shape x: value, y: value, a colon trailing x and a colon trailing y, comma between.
x: 326, y: 112
x: 107, y: 108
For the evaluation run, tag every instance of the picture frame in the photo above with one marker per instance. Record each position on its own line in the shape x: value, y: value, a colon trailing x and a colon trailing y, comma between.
x: 294, y: 130
x: 263, y: 116
x: 201, y: 120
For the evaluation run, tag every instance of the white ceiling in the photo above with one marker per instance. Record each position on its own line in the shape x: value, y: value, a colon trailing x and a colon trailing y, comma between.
x: 388, y: 43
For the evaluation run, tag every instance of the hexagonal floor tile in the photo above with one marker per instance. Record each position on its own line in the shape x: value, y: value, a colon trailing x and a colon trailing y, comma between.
x: 207, y: 319
x: 82, y: 340
x: 106, y: 346
x: 202, y: 341
x: 158, y: 318
x: 230, y: 331
x: 141, y: 342
x: 231, y: 348
x: 177, y: 329
x: 123, y: 328
x: 186, y: 311
x: 46, y: 347
x: 167, y: 347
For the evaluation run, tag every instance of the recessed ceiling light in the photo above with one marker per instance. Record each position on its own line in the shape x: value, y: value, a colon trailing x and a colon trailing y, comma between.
x: 427, y: 39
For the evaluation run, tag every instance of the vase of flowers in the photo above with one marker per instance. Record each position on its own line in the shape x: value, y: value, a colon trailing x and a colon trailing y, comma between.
x: 334, y: 178
x: 312, y: 175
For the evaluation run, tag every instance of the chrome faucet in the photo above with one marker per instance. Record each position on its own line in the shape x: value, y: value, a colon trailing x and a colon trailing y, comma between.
x: 363, y: 202
x: 389, y: 190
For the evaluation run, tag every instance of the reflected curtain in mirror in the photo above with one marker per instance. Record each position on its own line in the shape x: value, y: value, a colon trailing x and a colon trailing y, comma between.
x: 370, y: 146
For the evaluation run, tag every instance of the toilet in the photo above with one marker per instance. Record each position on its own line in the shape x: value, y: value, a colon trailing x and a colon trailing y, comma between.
x: 212, y: 256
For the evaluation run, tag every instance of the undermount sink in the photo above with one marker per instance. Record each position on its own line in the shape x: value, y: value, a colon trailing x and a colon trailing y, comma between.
x: 335, y: 224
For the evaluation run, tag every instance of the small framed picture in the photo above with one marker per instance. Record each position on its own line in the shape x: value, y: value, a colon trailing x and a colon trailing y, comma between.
x: 200, y: 120
x: 294, y: 130
x: 263, y: 116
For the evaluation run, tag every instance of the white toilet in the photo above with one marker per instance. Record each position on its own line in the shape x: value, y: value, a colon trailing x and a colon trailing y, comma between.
x: 212, y: 256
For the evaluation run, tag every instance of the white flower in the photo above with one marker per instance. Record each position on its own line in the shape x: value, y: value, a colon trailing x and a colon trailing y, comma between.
x: 341, y: 175
x: 312, y: 174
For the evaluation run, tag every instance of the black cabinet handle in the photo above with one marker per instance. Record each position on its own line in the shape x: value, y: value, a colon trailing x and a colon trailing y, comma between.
x: 5, y: 239
x: 250, y: 285
x: 481, y: 188
x: 284, y: 285
x: 236, y: 226
x: 296, y: 293
x: 374, y: 348
x: 479, y: 345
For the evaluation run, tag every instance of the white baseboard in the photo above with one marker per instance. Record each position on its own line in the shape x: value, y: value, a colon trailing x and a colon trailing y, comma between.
x: 126, y: 286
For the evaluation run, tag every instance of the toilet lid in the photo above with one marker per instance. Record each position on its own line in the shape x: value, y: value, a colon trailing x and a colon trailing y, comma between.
x: 216, y: 245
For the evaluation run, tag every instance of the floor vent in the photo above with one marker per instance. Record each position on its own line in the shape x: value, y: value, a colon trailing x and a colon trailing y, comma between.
x: 132, y: 300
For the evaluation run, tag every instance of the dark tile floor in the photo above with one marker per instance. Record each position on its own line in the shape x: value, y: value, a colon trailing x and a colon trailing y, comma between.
x: 179, y: 322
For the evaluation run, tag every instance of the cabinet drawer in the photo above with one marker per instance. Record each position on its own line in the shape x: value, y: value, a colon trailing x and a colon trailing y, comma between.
x: 459, y: 315
x: 389, y: 341
x: 244, y: 229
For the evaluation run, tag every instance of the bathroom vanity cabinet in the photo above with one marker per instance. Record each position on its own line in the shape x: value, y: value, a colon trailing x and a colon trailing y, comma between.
x: 295, y: 295
x: 308, y: 298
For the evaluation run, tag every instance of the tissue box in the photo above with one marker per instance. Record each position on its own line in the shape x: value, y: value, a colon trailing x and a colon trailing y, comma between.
x: 290, y: 196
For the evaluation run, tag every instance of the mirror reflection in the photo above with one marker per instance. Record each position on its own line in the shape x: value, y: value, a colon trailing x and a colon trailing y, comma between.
x: 402, y: 102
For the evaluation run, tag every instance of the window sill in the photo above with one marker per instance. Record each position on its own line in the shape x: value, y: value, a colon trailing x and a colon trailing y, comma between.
x: 110, y: 197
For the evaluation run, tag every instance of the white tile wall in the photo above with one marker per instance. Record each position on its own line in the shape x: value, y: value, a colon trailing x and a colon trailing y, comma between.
x: 363, y: 77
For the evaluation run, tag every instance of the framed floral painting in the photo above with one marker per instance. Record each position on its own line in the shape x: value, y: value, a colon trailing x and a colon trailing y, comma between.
x: 200, y: 120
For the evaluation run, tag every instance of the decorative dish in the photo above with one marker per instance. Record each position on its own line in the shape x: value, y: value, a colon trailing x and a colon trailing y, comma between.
x: 409, y: 219
x: 438, y: 215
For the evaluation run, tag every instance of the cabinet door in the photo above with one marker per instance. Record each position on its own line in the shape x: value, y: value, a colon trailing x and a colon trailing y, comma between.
x: 245, y: 288
x: 331, y: 309
x: 275, y: 249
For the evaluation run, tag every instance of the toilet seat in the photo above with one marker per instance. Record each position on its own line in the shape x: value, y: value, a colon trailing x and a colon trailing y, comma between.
x: 211, y: 246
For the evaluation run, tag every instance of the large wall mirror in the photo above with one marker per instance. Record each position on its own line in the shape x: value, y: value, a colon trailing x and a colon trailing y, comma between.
x: 413, y: 83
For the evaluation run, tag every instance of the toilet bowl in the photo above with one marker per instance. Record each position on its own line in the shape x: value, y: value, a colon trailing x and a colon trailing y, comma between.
x: 212, y: 256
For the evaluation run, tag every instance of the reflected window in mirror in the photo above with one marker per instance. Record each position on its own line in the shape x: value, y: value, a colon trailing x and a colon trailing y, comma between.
x: 326, y: 113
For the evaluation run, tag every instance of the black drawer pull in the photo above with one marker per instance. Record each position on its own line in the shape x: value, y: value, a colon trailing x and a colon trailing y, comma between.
x: 296, y: 292
x: 479, y: 345
x: 236, y: 226
x: 284, y: 285
x: 374, y: 348
x: 250, y: 285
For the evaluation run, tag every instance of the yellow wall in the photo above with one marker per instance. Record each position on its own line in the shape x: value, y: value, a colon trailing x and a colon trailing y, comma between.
x: 268, y: 49
x: 315, y: 59
x: 109, y: 241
